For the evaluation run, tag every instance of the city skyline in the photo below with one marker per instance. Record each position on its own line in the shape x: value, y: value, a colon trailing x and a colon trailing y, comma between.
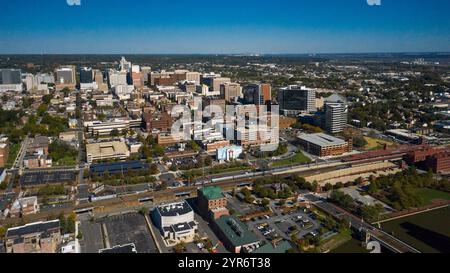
x: 263, y: 27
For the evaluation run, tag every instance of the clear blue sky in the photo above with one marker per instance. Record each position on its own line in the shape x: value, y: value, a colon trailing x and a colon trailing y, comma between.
x: 231, y: 26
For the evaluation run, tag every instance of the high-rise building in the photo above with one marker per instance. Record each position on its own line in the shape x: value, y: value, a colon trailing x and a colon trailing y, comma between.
x: 145, y: 73
x: 193, y: 77
x: 10, y: 79
x: 294, y: 100
x: 136, y: 76
x: 335, y: 117
x: 100, y: 81
x: 216, y: 82
x: 125, y: 65
x: 10, y: 76
x: 257, y: 94
x: 335, y: 114
x: 229, y: 91
x: 117, y: 78
x: 207, y: 79
x: 65, y: 77
x: 86, y: 75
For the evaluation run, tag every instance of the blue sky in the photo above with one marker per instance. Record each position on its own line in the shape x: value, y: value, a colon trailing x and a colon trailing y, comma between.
x: 231, y: 26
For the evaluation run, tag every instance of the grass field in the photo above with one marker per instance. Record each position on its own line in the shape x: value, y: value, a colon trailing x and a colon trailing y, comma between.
x: 13, y: 151
x: 429, y: 232
x: 298, y: 158
x: 429, y: 195
x: 351, y: 246
x: 375, y: 143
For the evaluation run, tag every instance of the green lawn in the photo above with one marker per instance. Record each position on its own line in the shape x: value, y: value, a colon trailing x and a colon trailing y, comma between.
x: 299, y: 158
x: 67, y: 161
x: 13, y: 151
x: 429, y: 232
x: 428, y: 195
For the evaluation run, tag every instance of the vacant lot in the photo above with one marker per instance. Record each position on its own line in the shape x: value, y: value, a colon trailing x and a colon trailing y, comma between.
x: 429, y: 232
x: 375, y: 143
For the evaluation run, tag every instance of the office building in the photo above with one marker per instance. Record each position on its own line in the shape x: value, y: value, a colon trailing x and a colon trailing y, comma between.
x: 160, y: 121
x: 193, y: 77
x: 258, y: 94
x: 335, y: 117
x: 65, y: 78
x: 10, y: 76
x: 294, y: 100
x: 175, y: 222
x: 136, y: 76
x: 39, y: 237
x: 106, y: 151
x: 217, y: 82
x: 207, y: 79
x: 99, y: 80
x: 117, y: 78
x: 230, y: 91
x: 86, y: 75
x: 323, y: 145
x: 125, y: 65
x: 335, y: 114
x: 11, y: 80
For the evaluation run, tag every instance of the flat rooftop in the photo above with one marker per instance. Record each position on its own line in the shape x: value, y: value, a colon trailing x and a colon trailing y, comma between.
x: 236, y: 231
x: 212, y: 193
x: 107, y: 148
x: 321, y: 139
x: 39, y: 227
x: 174, y: 209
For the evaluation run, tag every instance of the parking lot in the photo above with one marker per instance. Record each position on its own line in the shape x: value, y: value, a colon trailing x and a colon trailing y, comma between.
x: 44, y: 177
x: 300, y: 223
x: 92, y: 240
x: 120, y: 230
x: 130, y: 228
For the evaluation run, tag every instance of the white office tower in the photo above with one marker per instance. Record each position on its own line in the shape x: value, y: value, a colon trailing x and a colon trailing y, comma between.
x: 125, y: 65
x: 336, y: 114
x: 117, y: 77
